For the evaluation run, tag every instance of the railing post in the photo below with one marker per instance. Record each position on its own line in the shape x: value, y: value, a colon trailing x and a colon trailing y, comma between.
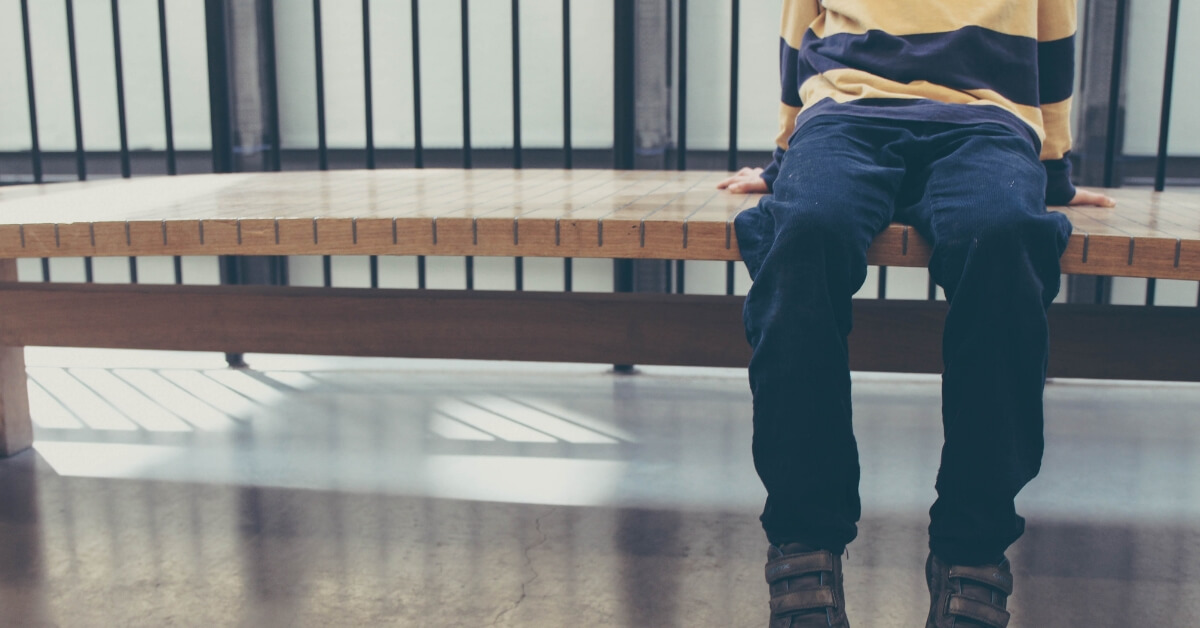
x: 642, y: 122
x: 623, y: 123
x: 245, y: 117
x: 1104, y: 31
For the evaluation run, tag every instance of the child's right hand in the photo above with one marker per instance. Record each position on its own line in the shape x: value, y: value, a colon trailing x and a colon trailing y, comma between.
x: 1088, y: 197
x: 746, y: 181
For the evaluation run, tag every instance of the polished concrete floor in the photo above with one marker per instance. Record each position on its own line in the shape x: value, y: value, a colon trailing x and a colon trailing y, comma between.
x: 165, y: 490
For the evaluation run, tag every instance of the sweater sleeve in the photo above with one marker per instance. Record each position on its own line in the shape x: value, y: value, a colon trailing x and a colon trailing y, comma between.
x: 794, y: 22
x: 1056, y: 83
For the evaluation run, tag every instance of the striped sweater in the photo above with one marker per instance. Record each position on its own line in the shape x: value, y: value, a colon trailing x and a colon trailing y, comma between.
x: 968, y: 61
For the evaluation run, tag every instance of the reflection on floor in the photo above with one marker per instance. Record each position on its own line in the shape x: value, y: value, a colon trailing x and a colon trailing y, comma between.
x: 167, y: 490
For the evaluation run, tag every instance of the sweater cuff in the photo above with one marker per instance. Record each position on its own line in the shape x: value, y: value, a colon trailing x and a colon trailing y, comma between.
x: 771, y: 172
x: 1059, y: 190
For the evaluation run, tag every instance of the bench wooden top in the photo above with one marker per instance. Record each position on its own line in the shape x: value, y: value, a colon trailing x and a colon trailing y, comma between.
x: 546, y: 213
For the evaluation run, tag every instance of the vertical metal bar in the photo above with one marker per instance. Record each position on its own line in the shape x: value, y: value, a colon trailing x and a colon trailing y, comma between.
x: 733, y: 85
x: 470, y: 264
x: 1164, y: 128
x: 327, y: 270
x: 1114, y: 95
x: 729, y: 277
x: 164, y: 58
x: 466, y: 84
x: 568, y: 162
x: 623, y: 87
x: 80, y: 161
x: 322, y: 148
x: 279, y: 269
x: 623, y: 281
x: 46, y: 269
x: 89, y: 275
x: 178, y: 270
x: 1151, y: 286
x: 516, y: 81
x: 418, y: 146
x: 122, y: 127
x: 232, y: 274
x: 367, y: 97
x: 679, y: 266
x: 220, y: 114
x: 373, y: 263
x: 519, y: 271
x: 681, y: 133
x: 267, y: 26
x: 421, y: 272
x: 624, y: 124
x: 35, y: 149
x: 568, y: 275
x: 882, y: 294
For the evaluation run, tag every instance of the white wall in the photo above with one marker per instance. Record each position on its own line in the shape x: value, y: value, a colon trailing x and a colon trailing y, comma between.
x: 1144, y: 78
x: 441, y: 82
x: 97, y: 77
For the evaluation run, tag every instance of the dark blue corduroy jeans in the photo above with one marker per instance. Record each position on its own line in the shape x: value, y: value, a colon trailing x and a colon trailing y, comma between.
x: 976, y: 193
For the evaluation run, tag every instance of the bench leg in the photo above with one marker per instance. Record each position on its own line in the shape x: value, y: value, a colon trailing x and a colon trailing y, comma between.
x: 16, y: 430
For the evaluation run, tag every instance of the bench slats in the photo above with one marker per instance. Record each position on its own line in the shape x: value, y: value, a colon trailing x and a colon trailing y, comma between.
x: 533, y: 213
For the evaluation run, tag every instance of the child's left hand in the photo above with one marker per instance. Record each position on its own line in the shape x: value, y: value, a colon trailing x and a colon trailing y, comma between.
x: 1088, y: 197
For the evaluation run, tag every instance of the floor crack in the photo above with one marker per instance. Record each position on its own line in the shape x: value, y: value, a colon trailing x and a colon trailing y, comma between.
x: 537, y: 525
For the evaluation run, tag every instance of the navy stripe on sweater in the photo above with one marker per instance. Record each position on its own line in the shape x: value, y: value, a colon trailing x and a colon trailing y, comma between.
x: 1056, y: 69
x: 789, y: 70
x: 968, y: 58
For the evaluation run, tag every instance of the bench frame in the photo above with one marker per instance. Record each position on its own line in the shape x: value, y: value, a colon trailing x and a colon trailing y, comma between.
x: 600, y: 214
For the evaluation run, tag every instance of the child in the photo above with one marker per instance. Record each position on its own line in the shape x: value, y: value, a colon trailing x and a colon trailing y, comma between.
x: 952, y: 117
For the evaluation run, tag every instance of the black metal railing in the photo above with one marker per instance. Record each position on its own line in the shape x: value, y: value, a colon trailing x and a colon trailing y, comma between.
x: 622, y: 155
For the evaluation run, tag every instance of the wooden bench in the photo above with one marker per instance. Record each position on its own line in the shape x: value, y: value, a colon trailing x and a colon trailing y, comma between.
x: 530, y: 213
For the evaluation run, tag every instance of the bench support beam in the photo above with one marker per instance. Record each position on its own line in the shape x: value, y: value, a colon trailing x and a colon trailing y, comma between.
x: 16, y: 430
x: 1104, y: 342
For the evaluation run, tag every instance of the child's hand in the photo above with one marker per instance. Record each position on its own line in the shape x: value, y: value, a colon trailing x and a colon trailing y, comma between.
x: 1087, y: 197
x: 746, y: 181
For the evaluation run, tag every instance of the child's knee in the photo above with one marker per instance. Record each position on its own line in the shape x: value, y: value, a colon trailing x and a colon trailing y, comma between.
x: 1023, y: 233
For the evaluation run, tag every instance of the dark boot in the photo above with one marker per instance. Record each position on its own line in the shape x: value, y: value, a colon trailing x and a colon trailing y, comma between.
x: 806, y: 588
x: 968, y: 597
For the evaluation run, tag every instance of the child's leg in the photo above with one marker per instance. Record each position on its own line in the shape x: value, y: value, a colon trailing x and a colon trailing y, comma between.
x: 996, y: 252
x: 805, y: 247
